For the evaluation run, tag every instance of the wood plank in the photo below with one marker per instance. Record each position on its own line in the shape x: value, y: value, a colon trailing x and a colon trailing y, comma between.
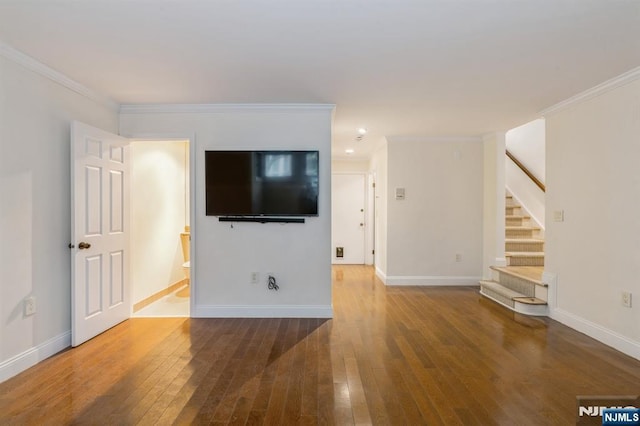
x: 410, y: 355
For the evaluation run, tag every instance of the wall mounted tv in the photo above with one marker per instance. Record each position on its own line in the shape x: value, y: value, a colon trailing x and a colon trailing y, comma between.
x: 261, y: 183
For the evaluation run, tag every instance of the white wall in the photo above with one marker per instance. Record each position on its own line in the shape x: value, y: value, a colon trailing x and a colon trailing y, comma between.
x: 493, y: 230
x: 35, y: 116
x: 379, y: 168
x: 441, y: 215
x: 341, y: 165
x: 527, y: 144
x: 593, y: 150
x: 224, y: 256
x: 159, y: 213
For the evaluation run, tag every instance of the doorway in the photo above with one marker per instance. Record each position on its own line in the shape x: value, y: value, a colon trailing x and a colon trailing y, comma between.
x: 348, y: 215
x: 160, y: 228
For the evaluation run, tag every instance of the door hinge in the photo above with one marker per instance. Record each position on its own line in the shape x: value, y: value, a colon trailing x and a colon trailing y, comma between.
x: 373, y: 252
x: 373, y: 184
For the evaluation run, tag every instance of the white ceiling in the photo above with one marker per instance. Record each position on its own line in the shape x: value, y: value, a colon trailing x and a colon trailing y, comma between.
x: 407, y: 68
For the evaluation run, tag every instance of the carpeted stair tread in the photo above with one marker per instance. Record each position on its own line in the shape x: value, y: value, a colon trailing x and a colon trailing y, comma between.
x: 511, y: 294
x: 517, y: 228
x: 524, y: 254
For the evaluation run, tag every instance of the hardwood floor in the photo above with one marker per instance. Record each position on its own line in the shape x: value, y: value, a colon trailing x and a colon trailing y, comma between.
x: 395, y: 355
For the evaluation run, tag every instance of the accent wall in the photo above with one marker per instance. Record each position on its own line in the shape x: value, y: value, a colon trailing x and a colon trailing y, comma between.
x: 227, y: 254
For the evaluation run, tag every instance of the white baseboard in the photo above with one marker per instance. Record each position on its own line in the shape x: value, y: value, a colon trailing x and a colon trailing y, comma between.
x: 432, y: 280
x: 598, y: 332
x: 262, y: 311
x: 17, y: 364
x: 381, y: 275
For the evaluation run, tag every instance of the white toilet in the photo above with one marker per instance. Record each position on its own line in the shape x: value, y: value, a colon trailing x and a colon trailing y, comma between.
x: 186, y: 268
x: 185, y: 238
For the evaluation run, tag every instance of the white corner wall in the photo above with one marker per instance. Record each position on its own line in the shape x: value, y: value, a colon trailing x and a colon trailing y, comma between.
x: 299, y: 255
x: 493, y: 219
x: 593, y: 149
x: 35, y: 228
x: 378, y: 167
x: 441, y: 215
x: 159, y: 213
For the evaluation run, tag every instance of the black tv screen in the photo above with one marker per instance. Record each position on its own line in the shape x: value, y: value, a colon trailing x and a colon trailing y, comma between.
x: 261, y: 183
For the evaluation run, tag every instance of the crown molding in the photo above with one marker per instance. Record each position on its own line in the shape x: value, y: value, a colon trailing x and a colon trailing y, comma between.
x: 219, y: 108
x: 601, y: 88
x: 432, y: 139
x: 38, y: 67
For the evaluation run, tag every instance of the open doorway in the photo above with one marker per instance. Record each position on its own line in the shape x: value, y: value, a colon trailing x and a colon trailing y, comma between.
x: 160, y: 228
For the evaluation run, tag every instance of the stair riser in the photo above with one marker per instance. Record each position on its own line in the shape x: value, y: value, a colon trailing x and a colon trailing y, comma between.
x: 517, y: 284
x: 519, y: 233
x: 525, y: 261
x: 512, y: 210
x: 497, y: 296
x: 525, y: 247
x: 515, y: 221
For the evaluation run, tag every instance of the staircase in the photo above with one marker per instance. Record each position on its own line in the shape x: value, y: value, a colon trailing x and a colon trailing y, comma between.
x: 518, y: 286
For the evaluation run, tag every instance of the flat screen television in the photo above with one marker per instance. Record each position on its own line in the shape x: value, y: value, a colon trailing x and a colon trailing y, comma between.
x: 261, y: 183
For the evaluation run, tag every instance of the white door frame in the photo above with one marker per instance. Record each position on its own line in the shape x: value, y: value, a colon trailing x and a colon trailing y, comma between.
x: 190, y: 138
x: 370, y: 239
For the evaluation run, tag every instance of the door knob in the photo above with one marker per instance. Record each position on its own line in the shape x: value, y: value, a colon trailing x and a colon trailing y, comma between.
x: 84, y: 245
x: 362, y: 224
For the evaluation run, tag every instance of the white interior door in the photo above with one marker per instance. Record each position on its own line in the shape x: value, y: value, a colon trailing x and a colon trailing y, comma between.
x: 348, y: 218
x: 100, y: 293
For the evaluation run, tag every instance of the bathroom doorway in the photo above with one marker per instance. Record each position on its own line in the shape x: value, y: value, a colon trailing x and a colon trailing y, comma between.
x: 160, y: 228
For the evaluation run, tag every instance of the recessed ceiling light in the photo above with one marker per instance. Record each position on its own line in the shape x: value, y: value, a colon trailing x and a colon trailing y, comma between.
x: 362, y: 130
x: 349, y: 151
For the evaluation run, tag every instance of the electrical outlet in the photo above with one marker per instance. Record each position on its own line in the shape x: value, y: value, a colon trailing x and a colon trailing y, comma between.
x: 255, y: 278
x: 29, y: 306
x: 626, y: 299
x: 458, y: 257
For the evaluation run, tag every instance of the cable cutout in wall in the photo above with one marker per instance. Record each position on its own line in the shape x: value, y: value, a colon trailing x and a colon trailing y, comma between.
x: 272, y: 283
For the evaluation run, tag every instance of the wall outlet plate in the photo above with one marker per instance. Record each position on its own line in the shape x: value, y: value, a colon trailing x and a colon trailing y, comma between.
x: 255, y: 278
x: 558, y: 215
x: 626, y: 299
x: 29, y: 306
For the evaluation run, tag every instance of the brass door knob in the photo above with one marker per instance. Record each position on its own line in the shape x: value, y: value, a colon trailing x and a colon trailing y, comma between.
x: 84, y: 245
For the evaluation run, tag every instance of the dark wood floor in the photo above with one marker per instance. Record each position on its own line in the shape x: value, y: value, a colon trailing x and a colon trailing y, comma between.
x: 405, y: 356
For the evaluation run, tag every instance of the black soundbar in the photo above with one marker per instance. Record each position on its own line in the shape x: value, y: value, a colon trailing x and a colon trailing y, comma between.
x: 261, y: 219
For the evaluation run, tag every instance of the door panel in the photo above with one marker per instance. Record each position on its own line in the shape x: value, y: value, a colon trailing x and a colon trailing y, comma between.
x: 100, y: 231
x: 347, y: 218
